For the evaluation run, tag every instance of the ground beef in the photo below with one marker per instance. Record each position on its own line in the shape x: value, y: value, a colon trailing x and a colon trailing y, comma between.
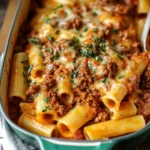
x: 112, y: 69
x: 90, y: 97
x: 48, y: 83
x: 57, y: 104
x: 118, y: 6
x: 54, y: 22
x: 65, y: 43
x: 145, y: 79
x: 33, y: 88
x: 78, y: 135
x: 122, y: 9
x: 76, y: 23
x: 102, y: 116
x: 133, y: 83
x: 62, y: 13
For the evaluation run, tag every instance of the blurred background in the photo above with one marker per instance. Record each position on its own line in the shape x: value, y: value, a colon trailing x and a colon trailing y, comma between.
x: 3, y: 6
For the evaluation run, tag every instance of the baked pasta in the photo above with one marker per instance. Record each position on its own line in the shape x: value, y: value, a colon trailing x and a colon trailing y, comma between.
x: 79, y: 70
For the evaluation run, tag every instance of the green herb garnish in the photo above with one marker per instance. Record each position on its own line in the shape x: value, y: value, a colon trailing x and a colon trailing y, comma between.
x: 50, y: 38
x: 57, y: 56
x: 34, y: 40
x: 90, y: 66
x: 25, y: 60
x: 49, y: 50
x: 113, y: 42
x: 47, y: 21
x: 120, y: 77
x: 42, y: 55
x: 46, y: 99
x: 46, y: 108
x: 57, y: 32
x: 29, y: 81
x: 95, y: 30
x: 28, y: 68
x: 120, y: 56
x: 96, y: 58
x: 73, y: 74
x: 95, y: 14
x: 114, y: 30
x: 86, y: 29
x: 60, y: 6
x: 76, y: 40
x: 105, y: 80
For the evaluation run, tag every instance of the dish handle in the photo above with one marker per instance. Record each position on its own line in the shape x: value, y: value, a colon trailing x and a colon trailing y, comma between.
x: 56, y: 144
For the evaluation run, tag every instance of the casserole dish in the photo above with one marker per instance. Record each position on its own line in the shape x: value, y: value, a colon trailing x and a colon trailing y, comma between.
x: 125, y: 142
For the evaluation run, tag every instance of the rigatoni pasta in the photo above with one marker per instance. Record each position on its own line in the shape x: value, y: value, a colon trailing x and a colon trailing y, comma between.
x: 123, y: 126
x: 17, y: 86
x: 30, y: 123
x: 82, y: 72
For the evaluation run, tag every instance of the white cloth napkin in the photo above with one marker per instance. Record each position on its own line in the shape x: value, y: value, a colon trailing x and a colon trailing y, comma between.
x: 9, y: 140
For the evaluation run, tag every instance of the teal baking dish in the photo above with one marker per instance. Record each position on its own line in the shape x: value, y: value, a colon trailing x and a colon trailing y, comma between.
x: 126, y: 142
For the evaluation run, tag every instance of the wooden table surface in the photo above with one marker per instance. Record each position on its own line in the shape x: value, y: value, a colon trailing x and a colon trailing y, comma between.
x: 3, y: 36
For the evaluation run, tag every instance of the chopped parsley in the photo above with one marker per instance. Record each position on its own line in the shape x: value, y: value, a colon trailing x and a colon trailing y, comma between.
x: 49, y: 50
x: 113, y: 42
x: 57, y: 32
x: 102, y: 46
x: 96, y: 58
x: 87, y: 51
x: 74, y: 62
x: 95, y: 14
x: 29, y: 81
x: 73, y: 74
x: 114, y: 30
x: 90, y: 66
x: 24, y: 74
x: 47, y: 21
x: 46, y: 99
x: 95, y: 30
x: 86, y: 29
x: 28, y: 68
x: 76, y: 40
x: 101, y: 43
x: 50, y: 38
x: 105, y: 80
x: 46, y: 108
x: 57, y: 56
x: 120, y: 77
x: 42, y: 55
x: 60, y: 6
x: 34, y: 41
x: 81, y: 35
x: 56, y: 89
x: 120, y: 56
x: 25, y: 60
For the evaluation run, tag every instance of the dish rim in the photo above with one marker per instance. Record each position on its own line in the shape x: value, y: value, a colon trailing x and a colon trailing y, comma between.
x: 60, y: 141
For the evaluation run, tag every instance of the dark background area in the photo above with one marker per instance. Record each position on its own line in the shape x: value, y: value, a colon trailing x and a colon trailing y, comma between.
x: 3, y: 6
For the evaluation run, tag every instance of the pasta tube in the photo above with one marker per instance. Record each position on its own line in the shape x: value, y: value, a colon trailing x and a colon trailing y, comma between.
x: 17, y: 87
x: 75, y: 119
x: 45, y: 114
x: 126, y: 109
x: 36, y: 60
x: 143, y: 6
x: 114, y: 128
x: 140, y: 63
x: 30, y: 123
x: 114, y: 97
x: 140, y: 25
x: 28, y: 108
x: 65, y: 89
